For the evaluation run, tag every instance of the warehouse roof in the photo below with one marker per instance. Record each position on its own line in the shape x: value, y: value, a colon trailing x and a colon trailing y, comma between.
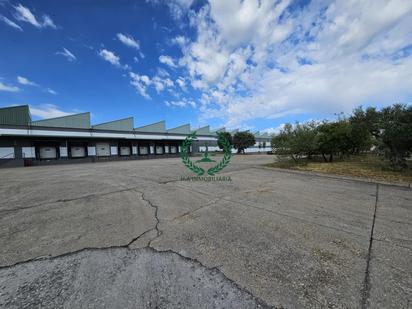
x: 81, y: 121
x: 157, y: 127
x: 184, y: 129
x: 203, y: 130
x: 223, y: 129
x: 15, y: 115
x: 125, y: 124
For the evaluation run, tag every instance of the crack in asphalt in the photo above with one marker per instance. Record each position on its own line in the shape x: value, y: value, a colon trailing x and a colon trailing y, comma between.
x: 213, y: 202
x: 191, y: 260
x: 217, y: 269
x: 221, y: 198
x: 390, y: 242
x: 93, y: 195
x: 365, y: 292
x: 6, y: 211
x: 156, y: 216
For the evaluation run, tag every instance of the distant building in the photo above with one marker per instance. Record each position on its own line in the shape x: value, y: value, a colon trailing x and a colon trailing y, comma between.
x: 72, y: 138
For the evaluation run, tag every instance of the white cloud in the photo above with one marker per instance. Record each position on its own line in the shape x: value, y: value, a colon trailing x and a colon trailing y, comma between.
x: 258, y: 59
x: 161, y: 83
x: 181, y: 103
x: 10, y: 23
x: 51, y: 91
x: 143, y: 82
x: 128, y: 40
x: 24, y: 81
x: 274, y: 130
x: 178, y: 8
x: 167, y: 60
x: 180, y: 40
x: 181, y: 82
x: 66, y: 53
x: 112, y: 58
x: 47, y: 111
x: 140, y: 82
x: 25, y: 15
x: 48, y: 22
x: 8, y: 88
x: 162, y: 72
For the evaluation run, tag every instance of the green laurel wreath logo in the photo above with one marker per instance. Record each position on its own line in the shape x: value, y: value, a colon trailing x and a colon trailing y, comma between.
x: 185, y: 155
x: 227, y: 154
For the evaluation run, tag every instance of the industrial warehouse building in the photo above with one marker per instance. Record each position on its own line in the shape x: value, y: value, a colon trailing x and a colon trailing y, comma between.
x: 72, y: 138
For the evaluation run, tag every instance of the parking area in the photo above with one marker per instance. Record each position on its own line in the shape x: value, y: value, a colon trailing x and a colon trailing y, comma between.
x: 131, y: 234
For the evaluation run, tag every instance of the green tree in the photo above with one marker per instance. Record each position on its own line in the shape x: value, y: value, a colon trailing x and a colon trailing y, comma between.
x: 296, y: 141
x: 282, y: 142
x: 333, y: 138
x: 396, y: 133
x: 369, y: 118
x: 243, y: 140
x: 391, y: 129
x: 362, y: 130
x: 304, y: 139
x: 228, y: 137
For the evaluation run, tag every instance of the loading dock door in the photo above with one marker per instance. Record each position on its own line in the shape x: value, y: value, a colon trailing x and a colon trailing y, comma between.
x: 103, y: 149
x: 124, y: 151
x: 159, y: 149
x: 47, y: 152
x: 143, y: 150
x: 78, y: 152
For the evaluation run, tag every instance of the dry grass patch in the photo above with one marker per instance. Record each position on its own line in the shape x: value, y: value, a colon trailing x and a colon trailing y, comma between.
x: 369, y: 166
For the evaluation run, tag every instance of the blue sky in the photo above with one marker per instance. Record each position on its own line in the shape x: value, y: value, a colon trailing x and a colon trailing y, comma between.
x: 248, y: 64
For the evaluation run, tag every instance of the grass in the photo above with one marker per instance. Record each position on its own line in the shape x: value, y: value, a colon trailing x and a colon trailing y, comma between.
x: 365, y: 166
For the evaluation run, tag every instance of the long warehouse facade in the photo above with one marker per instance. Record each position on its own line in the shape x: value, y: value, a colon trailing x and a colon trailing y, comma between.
x: 72, y: 138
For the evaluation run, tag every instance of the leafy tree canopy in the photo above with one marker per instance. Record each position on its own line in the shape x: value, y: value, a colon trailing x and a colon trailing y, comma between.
x: 243, y: 140
x: 227, y: 136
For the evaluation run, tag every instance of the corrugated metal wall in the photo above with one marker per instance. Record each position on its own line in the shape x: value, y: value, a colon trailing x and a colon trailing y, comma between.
x: 15, y: 115
x: 120, y: 125
x: 81, y: 121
